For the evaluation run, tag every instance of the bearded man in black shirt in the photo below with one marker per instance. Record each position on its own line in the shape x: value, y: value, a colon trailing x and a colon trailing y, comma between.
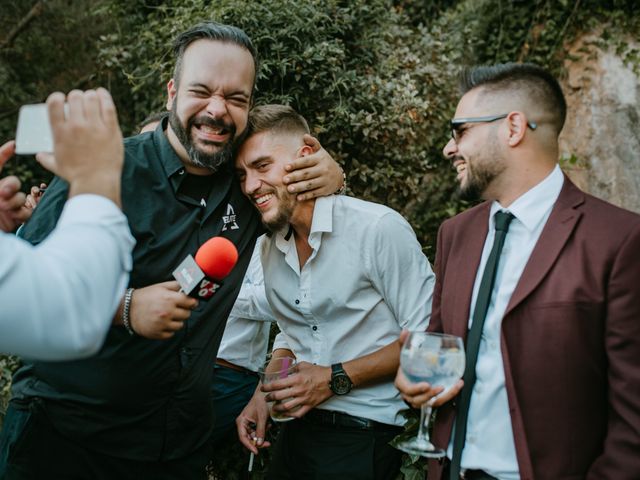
x: 141, y: 407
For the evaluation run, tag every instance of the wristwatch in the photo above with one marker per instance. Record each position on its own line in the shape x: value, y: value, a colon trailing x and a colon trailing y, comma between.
x: 340, y: 383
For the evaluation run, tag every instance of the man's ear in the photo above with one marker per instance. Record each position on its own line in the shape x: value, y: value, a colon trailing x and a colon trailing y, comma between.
x: 171, y: 93
x: 305, y: 150
x: 517, y: 123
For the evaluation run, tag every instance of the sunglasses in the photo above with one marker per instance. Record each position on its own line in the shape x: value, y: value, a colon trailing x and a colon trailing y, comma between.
x: 458, y: 123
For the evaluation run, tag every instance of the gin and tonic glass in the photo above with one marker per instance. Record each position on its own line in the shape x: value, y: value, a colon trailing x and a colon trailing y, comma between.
x: 438, y: 359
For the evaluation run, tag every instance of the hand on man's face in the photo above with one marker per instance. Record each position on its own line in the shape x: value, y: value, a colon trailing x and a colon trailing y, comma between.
x: 315, y: 174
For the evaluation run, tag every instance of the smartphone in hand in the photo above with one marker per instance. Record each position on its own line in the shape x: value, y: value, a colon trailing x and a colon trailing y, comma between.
x: 34, y: 131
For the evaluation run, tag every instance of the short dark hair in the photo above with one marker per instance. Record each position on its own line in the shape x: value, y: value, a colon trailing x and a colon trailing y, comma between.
x: 536, y: 83
x: 276, y: 118
x: 212, y: 31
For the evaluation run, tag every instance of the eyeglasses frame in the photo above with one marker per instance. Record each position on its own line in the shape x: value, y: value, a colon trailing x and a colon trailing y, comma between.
x: 458, y: 122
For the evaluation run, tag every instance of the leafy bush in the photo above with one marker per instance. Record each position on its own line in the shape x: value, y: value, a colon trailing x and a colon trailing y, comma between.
x: 47, y: 46
x: 376, y: 91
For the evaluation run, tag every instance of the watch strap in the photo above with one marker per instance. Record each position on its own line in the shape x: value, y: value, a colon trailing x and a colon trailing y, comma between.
x: 336, y: 368
x: 338, y: 376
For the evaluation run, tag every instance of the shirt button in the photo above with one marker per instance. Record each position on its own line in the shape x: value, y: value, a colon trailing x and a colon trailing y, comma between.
x: 314, y: 328
x: 297, y: 301
x: 181, y: 171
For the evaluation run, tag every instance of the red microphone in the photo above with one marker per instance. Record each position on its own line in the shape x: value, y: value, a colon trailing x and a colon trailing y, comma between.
x: 217, y: 257
x: 201, y: 278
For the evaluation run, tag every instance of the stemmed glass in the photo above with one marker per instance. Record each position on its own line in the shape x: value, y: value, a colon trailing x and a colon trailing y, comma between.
x: 438, y: 359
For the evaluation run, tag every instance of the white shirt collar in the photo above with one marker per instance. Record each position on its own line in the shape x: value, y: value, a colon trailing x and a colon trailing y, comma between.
x: 322, y: 221
x: 531, y: 207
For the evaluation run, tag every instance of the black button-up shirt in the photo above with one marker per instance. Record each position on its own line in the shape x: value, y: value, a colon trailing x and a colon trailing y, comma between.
x: 138, y: 398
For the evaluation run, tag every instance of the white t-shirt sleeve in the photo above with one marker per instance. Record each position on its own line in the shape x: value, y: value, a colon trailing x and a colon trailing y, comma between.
x: 251, y: 302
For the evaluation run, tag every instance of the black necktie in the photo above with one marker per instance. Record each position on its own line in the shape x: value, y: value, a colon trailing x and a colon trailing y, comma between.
x: 502, y: 221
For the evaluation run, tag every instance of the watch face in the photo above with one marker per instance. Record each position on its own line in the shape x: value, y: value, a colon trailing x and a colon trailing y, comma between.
x: 341, y: 384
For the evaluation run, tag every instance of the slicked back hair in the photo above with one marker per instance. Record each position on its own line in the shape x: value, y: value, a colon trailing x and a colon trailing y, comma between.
x: 212, y: 31
x: 535, y: 83
x: 276, y: 119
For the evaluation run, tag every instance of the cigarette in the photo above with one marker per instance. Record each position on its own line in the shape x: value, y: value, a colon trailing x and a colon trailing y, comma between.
x: 250, y: 462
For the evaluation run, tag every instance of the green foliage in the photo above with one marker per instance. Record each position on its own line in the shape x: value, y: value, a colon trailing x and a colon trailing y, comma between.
x: 54, y: 51
x: 413, y: 467
x: 572, y: 161
x: 375, y: 90
x: 8, y: 365
x: 493, y: 31
x: 619, y: 31
x: 230, y: 461
x: 421, y: 12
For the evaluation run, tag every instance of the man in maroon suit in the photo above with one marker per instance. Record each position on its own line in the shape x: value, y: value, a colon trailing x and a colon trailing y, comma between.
x: 555, y: 390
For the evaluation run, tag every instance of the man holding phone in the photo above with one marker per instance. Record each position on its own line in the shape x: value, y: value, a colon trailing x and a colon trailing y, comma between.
x: 38, y: 285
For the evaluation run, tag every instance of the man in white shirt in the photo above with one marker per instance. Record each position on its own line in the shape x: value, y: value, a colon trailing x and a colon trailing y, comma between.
x: 554, y: 391
x: 343, y: 278
x: 242, y: 352
x: 58, y: 299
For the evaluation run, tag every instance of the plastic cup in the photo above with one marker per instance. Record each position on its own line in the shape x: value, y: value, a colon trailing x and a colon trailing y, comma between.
x: 277, y: 369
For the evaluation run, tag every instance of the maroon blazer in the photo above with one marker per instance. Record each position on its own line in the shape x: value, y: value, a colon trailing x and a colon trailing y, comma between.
x: 570, y: 337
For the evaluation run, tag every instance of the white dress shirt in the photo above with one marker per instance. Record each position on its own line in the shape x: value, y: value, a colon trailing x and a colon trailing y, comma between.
x: 489, y: 444
x: 57, y: 299
x: 246, y: 336
x: 365, y: 281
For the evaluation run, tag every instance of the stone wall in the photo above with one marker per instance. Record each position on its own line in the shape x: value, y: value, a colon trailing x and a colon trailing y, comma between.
x: 602, y: 132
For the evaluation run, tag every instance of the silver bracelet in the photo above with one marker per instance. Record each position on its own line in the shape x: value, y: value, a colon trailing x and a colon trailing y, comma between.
x: 343, y: 189
x: 125, y: 311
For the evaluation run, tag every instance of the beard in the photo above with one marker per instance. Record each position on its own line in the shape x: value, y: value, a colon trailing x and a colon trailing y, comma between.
x: 212, y: 161
x: 282, y: 217
x: 481, y: 172
x: 471, y: 190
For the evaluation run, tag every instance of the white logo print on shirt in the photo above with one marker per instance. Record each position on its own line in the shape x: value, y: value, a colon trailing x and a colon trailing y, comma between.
x: 229, y: 219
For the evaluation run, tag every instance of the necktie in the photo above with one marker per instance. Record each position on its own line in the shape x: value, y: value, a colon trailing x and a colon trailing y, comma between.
x: 502, y: 221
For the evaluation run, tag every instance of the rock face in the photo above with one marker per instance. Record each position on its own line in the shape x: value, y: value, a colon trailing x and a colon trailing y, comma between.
x: 602, y: 132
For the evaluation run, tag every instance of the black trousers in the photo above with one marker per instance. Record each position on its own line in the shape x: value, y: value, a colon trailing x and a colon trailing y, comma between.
x: 305, y: 450
x: 31, y: 449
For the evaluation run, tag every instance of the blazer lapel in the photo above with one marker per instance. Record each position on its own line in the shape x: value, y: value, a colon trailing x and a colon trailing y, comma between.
x: 466, y: 254
x: 561, y: 223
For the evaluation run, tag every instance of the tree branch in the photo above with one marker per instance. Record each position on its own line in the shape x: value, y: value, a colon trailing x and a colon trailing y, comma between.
x: 35, y: 11
x: 8, y: 113
x: 81, y: 84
